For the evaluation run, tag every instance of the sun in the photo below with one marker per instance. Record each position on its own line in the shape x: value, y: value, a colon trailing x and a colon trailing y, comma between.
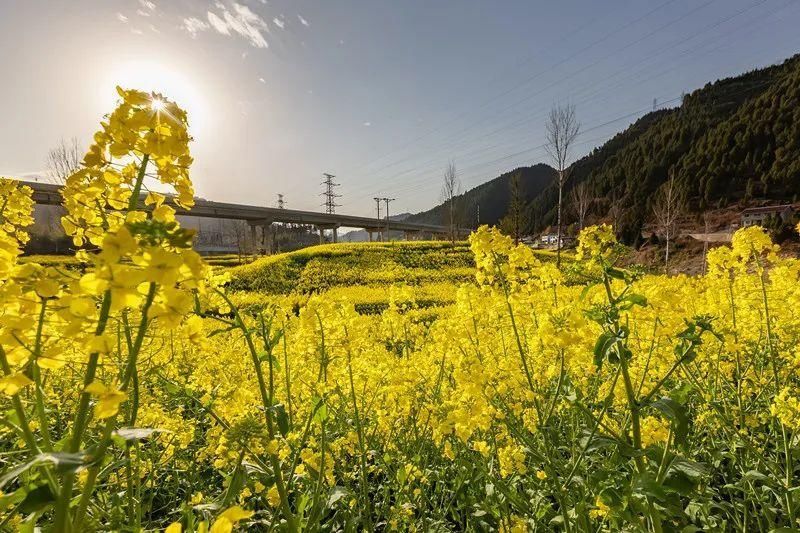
x: 167, y: 80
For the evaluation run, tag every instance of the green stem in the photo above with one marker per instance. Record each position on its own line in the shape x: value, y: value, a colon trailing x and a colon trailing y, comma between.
x: 267, y: 403
x: 133, y: 203
x: 105, y: 440
x: 774, y: 364
x: 37, y: 379
x: 522, y: 356
x: 61, y: 522
x: 24, y: 427
x: 361, y: 448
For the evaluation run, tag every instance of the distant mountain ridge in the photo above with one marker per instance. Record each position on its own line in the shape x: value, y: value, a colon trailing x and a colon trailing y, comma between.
x: 731, y: 140
x: 734, y: 139
x: 491, y: 198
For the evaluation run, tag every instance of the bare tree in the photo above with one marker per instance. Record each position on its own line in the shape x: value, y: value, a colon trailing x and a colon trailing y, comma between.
x: 669, y: 204
x: 705, y: 242
x: 581, y: 200
x: 513, y: 222
x: 451, y: 188
x: 63, y: 160
x: 615, y: 209
x: 562, y: 128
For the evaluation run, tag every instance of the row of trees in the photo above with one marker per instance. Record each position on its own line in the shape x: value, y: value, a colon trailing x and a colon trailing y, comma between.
x: 561, y: 130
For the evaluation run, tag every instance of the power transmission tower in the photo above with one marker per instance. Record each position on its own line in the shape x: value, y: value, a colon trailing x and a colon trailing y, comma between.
x: 387, y: 200
x: 330, y: 196
x: 378, y: 206
x: 281, y: 202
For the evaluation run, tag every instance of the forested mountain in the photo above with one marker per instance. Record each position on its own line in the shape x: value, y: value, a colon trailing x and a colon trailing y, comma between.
x: 732, y: 139
x: 491, y: 197
x: 735, y: 139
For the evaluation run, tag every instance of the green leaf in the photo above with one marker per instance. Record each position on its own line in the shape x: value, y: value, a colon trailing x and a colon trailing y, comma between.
x: 37, y: 500
x: 6, y: 500
x: 63, y: 461
x: 401, y: 475
x: 616, y: 273
x: 634, y: 299
x: 755, y: 475
x: 604, y: 342
x: 321, y: 413
x: 221, y: 330
x: 677, y: 413
x: 236, y: 483
x: 693, y: 469
x: 650, y: 487
x: 283, y: 419
x: 611, y: 497
x: 599, y: 442
x: 336, y: 494
x: 679, y: 483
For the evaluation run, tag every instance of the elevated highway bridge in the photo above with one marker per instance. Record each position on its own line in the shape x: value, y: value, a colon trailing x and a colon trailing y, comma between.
x: 265, y: 217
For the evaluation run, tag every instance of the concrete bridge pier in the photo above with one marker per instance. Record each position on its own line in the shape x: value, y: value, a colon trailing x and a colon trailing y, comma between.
x: 333, y: 227
x: 411, y: 235
x: 372, y: 231
x: 265, y: 247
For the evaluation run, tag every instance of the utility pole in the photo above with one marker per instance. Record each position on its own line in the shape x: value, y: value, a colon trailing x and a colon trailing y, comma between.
x: 281, y: 202
x: 478, y: 225
x: 378, y: 206
x: 387, y: 200
x: 330, y: 196
x: 705, y: 243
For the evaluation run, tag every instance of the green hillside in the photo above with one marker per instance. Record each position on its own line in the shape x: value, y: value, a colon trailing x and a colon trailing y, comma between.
x: 734, y: 139
x: 426, y: 273
x: 731, y: 139
x: 492, y: 197
x: 320, y: 268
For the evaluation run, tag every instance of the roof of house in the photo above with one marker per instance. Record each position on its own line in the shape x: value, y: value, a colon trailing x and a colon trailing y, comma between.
x: 766, y: 209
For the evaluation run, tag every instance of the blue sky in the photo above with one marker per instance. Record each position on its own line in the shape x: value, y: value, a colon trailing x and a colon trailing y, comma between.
x: 381, y: 93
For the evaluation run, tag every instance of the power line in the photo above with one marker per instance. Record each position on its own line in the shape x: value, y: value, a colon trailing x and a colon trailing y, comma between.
x: 387, y: 200
x: 528, y: 80
x: 330, y: 196
x: 663, y: 104
x: 527, y: 97
x: 378, y: 207
x: 659, y: 52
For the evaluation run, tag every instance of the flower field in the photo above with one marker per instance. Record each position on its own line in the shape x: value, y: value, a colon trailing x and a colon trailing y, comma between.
x: 419, y: 386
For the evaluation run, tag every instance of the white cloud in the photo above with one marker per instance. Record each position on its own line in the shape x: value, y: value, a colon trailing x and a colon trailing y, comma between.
x: 136, y: 31
x: 142, y: 13
x: 303, y: 21
x: 368, y: 124
x: 262, y: 80
x: 147, y: 4
x: 278, y: 22
x: 194, y: 25
x: 122, y: 18
x: 241, y: 20
x: 218, y: 24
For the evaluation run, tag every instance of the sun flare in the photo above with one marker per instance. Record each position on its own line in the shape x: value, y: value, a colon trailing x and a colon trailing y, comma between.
x: 171, y: 81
